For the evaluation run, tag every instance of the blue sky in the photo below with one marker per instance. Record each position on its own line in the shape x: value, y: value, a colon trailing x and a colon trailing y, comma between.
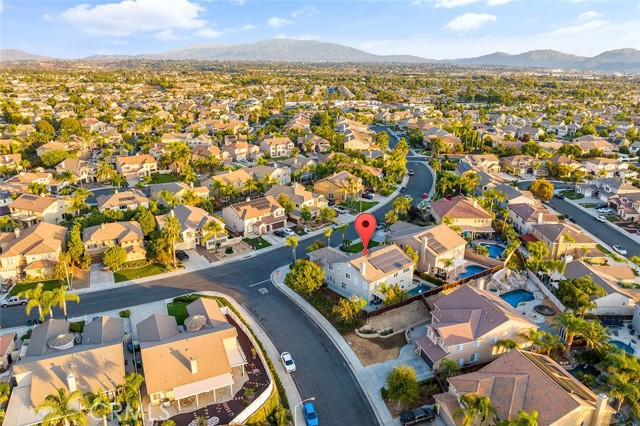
x: 429, y: 28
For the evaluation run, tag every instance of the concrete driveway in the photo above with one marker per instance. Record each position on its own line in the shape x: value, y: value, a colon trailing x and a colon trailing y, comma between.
x: 100, y: 280
x: 378, y: 372
x: 196, y: 261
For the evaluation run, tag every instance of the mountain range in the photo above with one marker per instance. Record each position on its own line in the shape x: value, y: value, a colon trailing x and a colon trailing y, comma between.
x: 288, y: 50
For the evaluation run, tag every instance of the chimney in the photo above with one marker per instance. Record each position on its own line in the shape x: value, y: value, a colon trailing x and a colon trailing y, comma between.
x: 71, y: 382
x: 425, y: 244
x: 16, y: 231
x: 475, y: 203
x: 102, y: 226
x: 540, y: 214
x: 194, y: 365
x: 191, y: 184
x: 363, y: 268
x: 600, y: 409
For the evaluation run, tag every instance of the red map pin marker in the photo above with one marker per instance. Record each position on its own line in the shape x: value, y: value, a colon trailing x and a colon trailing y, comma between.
x: 365, y: 226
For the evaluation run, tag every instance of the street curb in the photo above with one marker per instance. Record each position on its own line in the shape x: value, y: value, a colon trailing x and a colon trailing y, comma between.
x: 384, y: 418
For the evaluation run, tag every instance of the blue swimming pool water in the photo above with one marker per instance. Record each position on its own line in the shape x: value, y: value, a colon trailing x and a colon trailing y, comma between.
x: 419, y: 289
x: 515, y: 297
x: 624, y: 346
x: 495, y: 250
x: 472, y: 270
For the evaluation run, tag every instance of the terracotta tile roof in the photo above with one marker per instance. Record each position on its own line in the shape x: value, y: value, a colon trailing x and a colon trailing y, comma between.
x: 136, y: 159
x: 41, y: 238
x: 256, y: 207
x: 459, y: 207
x: 121, y: 198
x: 32, y: 202
x: 234, y: 177
x: 340, y: 179
x: 5, y: 342
x: 120, y: 231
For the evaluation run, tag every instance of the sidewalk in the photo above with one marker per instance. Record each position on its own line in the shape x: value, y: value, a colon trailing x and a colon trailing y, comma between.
x: 368, y: 380
x: 320, y: 232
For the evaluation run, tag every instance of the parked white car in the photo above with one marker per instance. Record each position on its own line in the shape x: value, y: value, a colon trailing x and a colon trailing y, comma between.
x: 618, y: 249
x: 601, y: 219
x: 605, y: 211
x: 287, y: 362
x: 13, y: 301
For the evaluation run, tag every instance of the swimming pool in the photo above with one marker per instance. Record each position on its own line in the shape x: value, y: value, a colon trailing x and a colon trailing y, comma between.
x: 495, y: 250
x: 472, y: 270
x: 515, y: 297
x: 419, y: 289
x: 624, y: 346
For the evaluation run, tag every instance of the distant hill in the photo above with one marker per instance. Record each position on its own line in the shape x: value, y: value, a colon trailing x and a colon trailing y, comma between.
x: 19, y: 55
x: 287, y: 50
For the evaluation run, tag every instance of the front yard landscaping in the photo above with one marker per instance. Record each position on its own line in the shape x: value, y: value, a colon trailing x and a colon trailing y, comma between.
x: 358, y: 247
x: 145, y: 271
x: 47, y: 285
x: 613, y: 219
x: 366, y: 205
x: 572, y: 195
x: 178, y: 310
x: 160, y: 178
x: 257, y: 243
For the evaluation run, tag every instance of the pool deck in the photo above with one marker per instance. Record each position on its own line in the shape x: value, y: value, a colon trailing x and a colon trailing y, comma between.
x: 504, y: 282
x: 624, y: 336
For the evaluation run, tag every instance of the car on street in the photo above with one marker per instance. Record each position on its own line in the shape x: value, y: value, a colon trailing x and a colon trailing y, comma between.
x: 287, y: 362
x: 570, y: 219
x: 407, y: 196
x: 13, y: 301
x: 338, y: 225
x: 605, y: 210
x: 403, y: 189
x: 417, y: 416
x: 560, y: 196
x: 619, y: 249
x: 425, y: 195
x: 411, y: 172
x: 601, y: 218
x: 601, y: 206
x: 182, y: 255
x: 310, y: 414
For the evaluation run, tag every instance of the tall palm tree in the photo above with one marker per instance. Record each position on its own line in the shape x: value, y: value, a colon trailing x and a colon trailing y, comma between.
x: 506, y: 345
x: 130, y: 392
x: 61, y: 297
x: 531, y: 337
x: 79, y: 199
x: 249, y: 186
x: 117, y: 180
x: 189, y: 197
x: 327, y: 233
x: 36, y: 298
x: 343, y: 230
x: 596, y: 335
x: 105, y: 171
x: 448, y: 367
x: 524, y: 419
x: 169, y: 198
x: 572, y: 326
x: 447, y: 263
x: 61, y: 409
x: 98, y: 404
x: 215, y: 228
x: 474, y: 410
x: 171, y: 232
x: 549, y: 343
x: 567, y: 239
x: 292, y: 242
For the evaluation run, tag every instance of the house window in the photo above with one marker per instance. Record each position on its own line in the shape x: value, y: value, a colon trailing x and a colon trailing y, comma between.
x: 459, y: 348
x: 405, y: 270
x: 475, y: 357
x: 331, y: 267
x: 476, y: 343
x: 347, y: 275
x: 343, y: 285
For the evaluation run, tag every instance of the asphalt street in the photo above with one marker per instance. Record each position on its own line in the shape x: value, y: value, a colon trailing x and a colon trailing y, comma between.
x: 322, y: 372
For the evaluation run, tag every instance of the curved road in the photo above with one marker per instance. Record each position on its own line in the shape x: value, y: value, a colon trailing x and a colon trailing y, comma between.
x: 322, y: 371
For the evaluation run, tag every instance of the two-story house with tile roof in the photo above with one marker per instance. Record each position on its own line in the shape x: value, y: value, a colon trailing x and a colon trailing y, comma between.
x: 29, y: 209
x: 339, y: 186
x: 301, y: 198
x: 257, y: 216
x: 128, y: 235
x: 193, y: 221
x: 464, y: 212
x: 277, y: 147
x: 136, y: 166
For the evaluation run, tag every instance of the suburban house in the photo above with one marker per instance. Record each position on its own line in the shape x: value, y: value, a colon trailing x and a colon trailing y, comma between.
x: 620, y: 299
x: 257, y: 216
x: 523, y: 215
x: 434, y: 245
x: 202, y: 358
x: 54, y: 358
x: 235, y: 178
x: 21, y: 181
x: 563, y: 239
x: 129, y: 199
x: 83, y: 171
x: 627, y: 205
x: 178, y: 189
x: 300, y: 198
x: 128, y: 235
x: 463, y: 212
x: 241, y: 151
x: 136, y: 166
x: 527, y: 381
x: 300, y: 166
x: 33, y: 251
x: 7, y: 347
x: 488, y: 163
x: 338, y: 187
x: 192, y: 222
x: 605, y: 188
x: 609, y: 168
x: 363, y: 274
x: 280, y: 175
x: 516, y: 196
x: 519, y: 165
x: 277, y: 147
x: 11, y: 161
x: 30, y: 209
x: 465, y: 326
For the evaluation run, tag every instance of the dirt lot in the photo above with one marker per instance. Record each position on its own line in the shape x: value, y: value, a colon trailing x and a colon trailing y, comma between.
x: 374, y: 351
x: 401, y: 318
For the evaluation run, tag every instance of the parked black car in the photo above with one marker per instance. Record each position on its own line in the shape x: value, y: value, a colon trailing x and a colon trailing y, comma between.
x: 279, y: 233
x: 560, y: 196
x: 403, y: 189
x: 368, y: 195
x: 182, y: 255
x: 419, y: 415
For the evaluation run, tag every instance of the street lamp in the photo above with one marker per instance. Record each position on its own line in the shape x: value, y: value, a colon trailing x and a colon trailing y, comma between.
x: 295, y: 409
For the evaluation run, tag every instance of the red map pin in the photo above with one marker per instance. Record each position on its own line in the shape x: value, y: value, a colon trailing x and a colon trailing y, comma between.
x: 365, y: 226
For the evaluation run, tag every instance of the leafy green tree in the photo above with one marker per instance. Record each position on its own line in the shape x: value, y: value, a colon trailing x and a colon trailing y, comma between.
x: 70, y: 126
x: 305, y: 277
x: 522, y: 419
x: 474, y: 410
x: 382, y: 140
x: 292, y: 242
x: 146, y: 220
x: 538, y: 252
x: 5, y: 393
x: 390, y: 217
x: 401, y: 205
x: 169, y: 198
x: 402, y: 385
x: 43, y: 126
x: 54, y: 157
x: 75, y: 247
x: 348, y: 309
x: 61, y: 411
x: 577, y: 294
x: 37, y: 188
x: 409, y: 251
x: 114, y: 257
x: 542, y: 188
x: 327, y: 233
x: 327, y: 214
x: 305, y: 213
x: 286, y: 203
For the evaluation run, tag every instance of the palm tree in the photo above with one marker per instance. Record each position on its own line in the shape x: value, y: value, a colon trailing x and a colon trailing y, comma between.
x: 213, y: 227
x: 37, y: 298
x: 117, y: 180
x: 61, y: 410
x: 169, y: 198
x: 567, y: 239
x: 549, y: 343
x: 524, y: 419
x: 67, y: 176
x: 250, y: 185
x: 190, y: 198
x: 474, y: 409
x: 448, y: 367
x: 130, y: 392
x: 98, y: 404
x: 448, y: 263
x: 61, y: 297
x: 506, y: 345
x: 292, y: 242
x: 105, y: 171
x: 171, y: 232
x: 621, y: 389
x: 327, y: 233
x: 596, y: 335
x: 79, y: 199
x: 5, y: 391
x: 531, y: 337
x: 343, y: 230
x: 572, y: 326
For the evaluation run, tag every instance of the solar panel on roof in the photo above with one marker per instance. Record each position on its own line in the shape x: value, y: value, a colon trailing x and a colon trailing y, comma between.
x: 388, y: 261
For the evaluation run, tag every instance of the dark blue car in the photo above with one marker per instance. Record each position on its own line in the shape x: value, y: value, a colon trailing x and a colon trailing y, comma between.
x: 310, y: 415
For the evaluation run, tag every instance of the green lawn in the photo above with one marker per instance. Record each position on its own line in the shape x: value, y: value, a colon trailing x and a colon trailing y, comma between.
x: 572, y: 195
x: 366, y: 205
x: 178, y: 310
x: 603, y: 249
x: 158, y: 178
x: 613, y: 219
x: 257, y: 243
x: 588, y: 205
x: 48, y: 285
x: 145, y: 271
x: 357, y: 247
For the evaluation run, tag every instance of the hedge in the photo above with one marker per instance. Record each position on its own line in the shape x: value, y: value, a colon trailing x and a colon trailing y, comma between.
x: 431, y: 279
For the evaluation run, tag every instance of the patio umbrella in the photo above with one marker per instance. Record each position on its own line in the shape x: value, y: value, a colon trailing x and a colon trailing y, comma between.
x: 195, y: 322
x: 61, y: 341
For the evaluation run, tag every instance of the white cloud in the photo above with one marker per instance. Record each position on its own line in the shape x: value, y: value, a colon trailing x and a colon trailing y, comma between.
x: 131, y: 16
x: 449, y: 4
x: 497, y: 2
x: 276, y: 22
x: 589, y: 15
x: 166, y: 35
x: 239, y: 2
x: 470, y: 21
x: 300, y: 37
x: 304, y: 11
x: 47, y: 17
x: 580, y: 28
x: 208, y: 33
x: 249, y: 27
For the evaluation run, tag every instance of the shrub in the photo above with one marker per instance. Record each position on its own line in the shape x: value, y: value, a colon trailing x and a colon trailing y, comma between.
x: 386, y: 331
x: 431, y: 278
x: 367, y: 331
x: 228, y: 250
x: 135, y: 264
x: 125, y: 314
x: 26, y: 335
x: 76, y: 327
